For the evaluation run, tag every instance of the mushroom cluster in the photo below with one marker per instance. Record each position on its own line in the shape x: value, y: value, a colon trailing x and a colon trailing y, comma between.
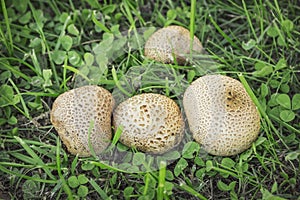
x: 150, y: 122
x: 82, y: 118
x: 221, y: 115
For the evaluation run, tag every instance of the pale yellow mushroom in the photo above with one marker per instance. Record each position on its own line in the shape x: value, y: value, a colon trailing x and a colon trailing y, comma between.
x: 151, y: 122
x: 82, y: 118
x: 171, y: 42
x: 221, y: 115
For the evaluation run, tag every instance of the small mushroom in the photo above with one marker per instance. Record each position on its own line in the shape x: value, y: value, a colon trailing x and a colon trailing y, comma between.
x: 151, y: 122
x: 170, y: 42
x: 82, y: 118
x: 221, y: 115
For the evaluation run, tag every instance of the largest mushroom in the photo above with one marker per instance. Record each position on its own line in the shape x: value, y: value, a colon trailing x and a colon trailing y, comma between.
x: 221, y: 115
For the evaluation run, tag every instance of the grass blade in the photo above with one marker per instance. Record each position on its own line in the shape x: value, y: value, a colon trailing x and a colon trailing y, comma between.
x: 192, y: 23
x: 26, y: 111
x: 91, y: 148
x: 65, y: 186
x: 10, y: 164
x: 117, y: 135
x: 101, y: 192
x: 260, y: 108
x: 106, y: 166
x: 9, y: 45
x: 39, y: 24
x: 24, y: 63
x: 99, y: 24
x: 222, y: 32
x: 128, y: 9
x: 114, y: 74
x: 15, y: 71
x: 147, y: 182
x: 161, y: 180
x: 190, y: 190
x: 14, y: 173
x: 249, y: 20
x: 76, y: 71
x: 35, y: 157
x: 23, y: 158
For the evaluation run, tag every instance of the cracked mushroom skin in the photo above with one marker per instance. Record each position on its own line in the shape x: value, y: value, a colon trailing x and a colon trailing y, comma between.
x: 221, y: 115
x: 152, y: 123
x: 170, y: 42
x: 82, y: 118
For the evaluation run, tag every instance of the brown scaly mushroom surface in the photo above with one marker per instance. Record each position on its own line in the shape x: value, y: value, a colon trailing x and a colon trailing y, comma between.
x: 170, y: 42
x: 79, y: 110
x: 221, y: 115
x: 151, y: 122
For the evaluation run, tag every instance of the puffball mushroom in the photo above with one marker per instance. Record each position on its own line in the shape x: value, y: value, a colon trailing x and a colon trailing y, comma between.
x: 221, y: 115
x: 151, y: 122
x: 170, y: 42
x: 82, y: 118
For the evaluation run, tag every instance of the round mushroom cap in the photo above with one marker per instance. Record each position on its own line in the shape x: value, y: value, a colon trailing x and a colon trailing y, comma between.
x: 221, y: 115
x: 151, y: 122
x: 82, y: 118
x: 170, y: 42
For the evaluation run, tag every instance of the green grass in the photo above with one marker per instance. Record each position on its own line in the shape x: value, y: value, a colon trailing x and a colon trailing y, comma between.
x: 48, y: 47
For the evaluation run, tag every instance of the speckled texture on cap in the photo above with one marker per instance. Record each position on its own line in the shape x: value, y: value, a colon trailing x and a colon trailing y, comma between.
x: 170, y: 42
x: 79, y: 110
x: 151, y: 122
